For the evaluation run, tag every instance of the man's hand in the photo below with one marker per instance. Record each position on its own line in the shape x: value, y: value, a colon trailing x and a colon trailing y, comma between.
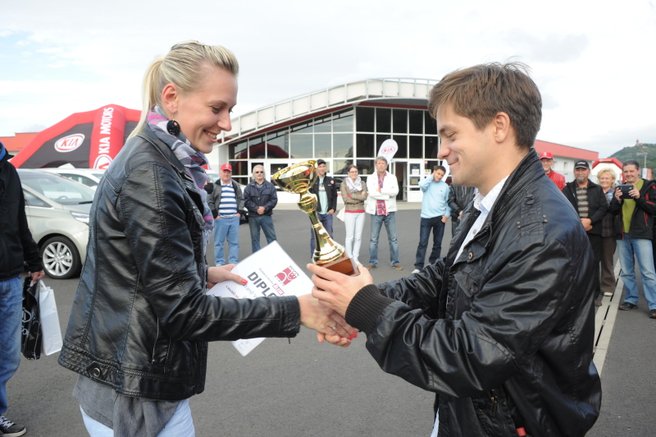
x: 260, y: 210
x: 330, y: 326
x: 223, y: 273
x: 336, y: 290
x: 331, y: 211
x: 445, y: 218
x: 36, y: 276
x: 587, y: 224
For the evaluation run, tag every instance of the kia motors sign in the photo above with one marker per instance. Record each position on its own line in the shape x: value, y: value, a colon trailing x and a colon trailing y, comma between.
x: 85, y: 140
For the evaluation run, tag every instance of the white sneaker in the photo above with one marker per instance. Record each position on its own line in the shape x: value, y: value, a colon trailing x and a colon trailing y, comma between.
x: 416, y: 271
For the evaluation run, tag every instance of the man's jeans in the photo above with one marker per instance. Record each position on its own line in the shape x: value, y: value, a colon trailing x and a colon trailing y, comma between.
x: 390, y: 226
x: 11, y: 314
x: 181, y: 424
x: 226, y: 227
x: 255, y: 222
x: 327, y: 222
x: 640, y: 249
x: 427, y: 224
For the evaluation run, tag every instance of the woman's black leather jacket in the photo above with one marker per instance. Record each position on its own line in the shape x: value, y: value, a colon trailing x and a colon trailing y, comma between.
x: 503, y: 335
x: 141, y: 318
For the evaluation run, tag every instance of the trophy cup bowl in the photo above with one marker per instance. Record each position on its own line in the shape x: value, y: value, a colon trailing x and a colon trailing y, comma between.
x: 298, y: 178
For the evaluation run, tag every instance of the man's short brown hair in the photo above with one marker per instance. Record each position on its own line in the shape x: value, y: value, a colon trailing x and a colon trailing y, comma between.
x: 482, y: 91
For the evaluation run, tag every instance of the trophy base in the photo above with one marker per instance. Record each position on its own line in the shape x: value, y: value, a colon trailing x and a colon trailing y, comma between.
x: 344, y: 265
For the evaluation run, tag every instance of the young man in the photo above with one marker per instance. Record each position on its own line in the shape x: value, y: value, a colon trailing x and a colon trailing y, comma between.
x: 326, y: 190
x: 636, y: 210
x: 502, y: 329
x: 382, y: 187
x: 434, y: 215
x: 589, y: 201
x: 225, y: 202
x: 546, y: 158
x: 17, y: 247
x: 260, y: 198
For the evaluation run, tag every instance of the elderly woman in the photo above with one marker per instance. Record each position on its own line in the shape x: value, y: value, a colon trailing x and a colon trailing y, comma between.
x: 141, y: 319
x: 609, y: 233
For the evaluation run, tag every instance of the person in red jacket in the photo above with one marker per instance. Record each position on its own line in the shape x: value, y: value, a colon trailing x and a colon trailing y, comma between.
x: 546, y: 158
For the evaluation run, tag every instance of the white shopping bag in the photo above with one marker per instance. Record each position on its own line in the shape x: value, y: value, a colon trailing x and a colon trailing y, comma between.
x: 341, y: 214
x: 50, y: 330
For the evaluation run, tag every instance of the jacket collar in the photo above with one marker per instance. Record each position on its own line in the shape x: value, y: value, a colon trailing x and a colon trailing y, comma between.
x: 148, y: 135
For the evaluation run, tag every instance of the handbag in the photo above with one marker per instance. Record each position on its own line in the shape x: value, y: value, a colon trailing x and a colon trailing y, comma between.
x: 51, y: 337
x: 31, y: 324
x: 341, y: 213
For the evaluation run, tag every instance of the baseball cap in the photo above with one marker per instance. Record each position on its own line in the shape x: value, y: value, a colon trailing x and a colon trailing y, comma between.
x: 582, y: 164
x: 546, y: 155
x: 226, y: 166
x: 320, y: 161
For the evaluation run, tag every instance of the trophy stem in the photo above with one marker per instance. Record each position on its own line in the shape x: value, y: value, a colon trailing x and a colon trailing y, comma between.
x: 326, y: 249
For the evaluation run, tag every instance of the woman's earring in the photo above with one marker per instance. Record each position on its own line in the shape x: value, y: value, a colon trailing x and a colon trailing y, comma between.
x: 173, y: 127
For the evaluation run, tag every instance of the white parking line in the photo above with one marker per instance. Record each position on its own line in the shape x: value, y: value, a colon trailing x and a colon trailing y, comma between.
x: 605, y: 320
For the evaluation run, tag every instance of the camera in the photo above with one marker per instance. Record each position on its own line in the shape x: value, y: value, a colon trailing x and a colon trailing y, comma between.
x: 625, y: 190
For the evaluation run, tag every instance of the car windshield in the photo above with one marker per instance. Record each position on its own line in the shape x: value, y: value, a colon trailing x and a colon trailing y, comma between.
x: 57, y: 188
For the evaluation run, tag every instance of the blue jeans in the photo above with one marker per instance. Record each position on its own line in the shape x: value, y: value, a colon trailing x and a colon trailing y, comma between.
x: 427, y: 224
x: 181, y: 424
x: 255, y: 222
x: 327, y: 222
x: 390, y: 226
x: 226, y: 227
x: 11, y: 314
x: 631, y: 249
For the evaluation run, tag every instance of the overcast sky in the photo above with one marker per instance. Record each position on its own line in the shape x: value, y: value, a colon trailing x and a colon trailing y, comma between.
x: 595, y: 62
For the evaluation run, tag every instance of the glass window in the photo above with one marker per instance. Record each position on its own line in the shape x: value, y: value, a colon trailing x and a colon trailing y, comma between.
x: 383, y: 120
x: 322, y: 146
x: 242, y: 180
x: 301, y: 146
x: 344, y: 122
x: 342, y: 145
x: 365, y: 167
x: 339, y: 168
x: 400, y: 121
x: 305, y: 128
x: 365, y: 145
x: 416, y: 120
x: 364, y: 119
x: 415, y: 149
x: 430, y: 148
x: 238, y: 150
x: 402, y: 141
x: 322, y: 124
x: 239, y: 168
x: 31, y: 200
x: 277, y: 146
x: 430, y: 126
x: 256, y: 148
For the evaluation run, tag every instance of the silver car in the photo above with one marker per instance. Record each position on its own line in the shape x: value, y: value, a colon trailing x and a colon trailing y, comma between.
x: 57, y: 212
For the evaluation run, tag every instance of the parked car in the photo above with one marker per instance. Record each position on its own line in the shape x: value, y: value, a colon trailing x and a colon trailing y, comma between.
x: 87, y: 176
x: 57, y: 212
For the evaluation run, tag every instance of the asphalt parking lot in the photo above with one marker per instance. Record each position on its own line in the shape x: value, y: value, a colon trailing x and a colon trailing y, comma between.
x: 301, y: 388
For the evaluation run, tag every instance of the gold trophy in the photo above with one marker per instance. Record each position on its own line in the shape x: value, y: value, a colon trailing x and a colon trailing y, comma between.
x: 298, y: 179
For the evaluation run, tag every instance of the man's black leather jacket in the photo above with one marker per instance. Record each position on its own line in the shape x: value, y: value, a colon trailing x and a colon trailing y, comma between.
x: 141, y: 317
x: 504, y: 334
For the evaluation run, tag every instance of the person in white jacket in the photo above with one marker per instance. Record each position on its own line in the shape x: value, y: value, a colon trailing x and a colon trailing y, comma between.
x: 381, y: 204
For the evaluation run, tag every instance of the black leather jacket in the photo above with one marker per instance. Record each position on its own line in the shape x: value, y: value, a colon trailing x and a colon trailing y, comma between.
x: 331, y: 192
x: 141, y: 320
x: 504, y: 334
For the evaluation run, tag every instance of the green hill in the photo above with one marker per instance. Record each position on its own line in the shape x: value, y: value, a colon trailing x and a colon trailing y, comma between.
x: 637, y: 152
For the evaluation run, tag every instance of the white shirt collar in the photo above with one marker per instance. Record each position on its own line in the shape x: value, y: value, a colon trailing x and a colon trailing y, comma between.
x: 485, y: 203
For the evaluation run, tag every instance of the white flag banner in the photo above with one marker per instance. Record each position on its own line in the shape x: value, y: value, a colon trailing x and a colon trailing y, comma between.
x: 270, y: 272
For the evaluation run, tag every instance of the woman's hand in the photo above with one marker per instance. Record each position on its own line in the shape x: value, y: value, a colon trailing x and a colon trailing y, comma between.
x: 330, y: 326
x: 223, y: 273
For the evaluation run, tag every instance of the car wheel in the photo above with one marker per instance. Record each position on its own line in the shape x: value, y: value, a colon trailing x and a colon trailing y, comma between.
x: 60, y: 258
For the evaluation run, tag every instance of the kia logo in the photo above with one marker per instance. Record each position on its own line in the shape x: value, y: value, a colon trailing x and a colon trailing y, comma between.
x: 102, y: 162
x: 69, y: 143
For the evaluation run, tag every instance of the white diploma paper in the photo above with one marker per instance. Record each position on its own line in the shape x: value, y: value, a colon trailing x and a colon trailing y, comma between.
x: 270, y: 272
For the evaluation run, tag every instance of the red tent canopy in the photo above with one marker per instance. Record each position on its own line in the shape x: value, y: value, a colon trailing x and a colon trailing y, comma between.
x: 85, y: 139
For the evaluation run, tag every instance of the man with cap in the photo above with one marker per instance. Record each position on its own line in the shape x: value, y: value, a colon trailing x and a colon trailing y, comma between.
x: 589, y: 201
x: 326, y: 191
x: 546, y: 158
x: 225, y: 201
x: 17, y: 250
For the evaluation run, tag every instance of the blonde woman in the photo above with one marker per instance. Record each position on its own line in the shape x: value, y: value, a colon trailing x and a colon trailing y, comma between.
x: 354, y: 193
x: 609, y: 232
x: 141, y: 320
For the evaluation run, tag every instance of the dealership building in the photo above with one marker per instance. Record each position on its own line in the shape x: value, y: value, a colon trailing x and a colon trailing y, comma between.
x: 347, y: 124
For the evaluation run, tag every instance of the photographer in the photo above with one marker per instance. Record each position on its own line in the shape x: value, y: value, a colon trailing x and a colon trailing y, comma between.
x: 636, y: 221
